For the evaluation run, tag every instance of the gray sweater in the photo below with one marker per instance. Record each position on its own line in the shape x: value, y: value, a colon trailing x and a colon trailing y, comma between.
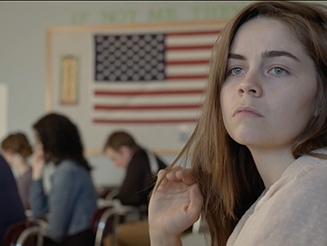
x: 70, y: 203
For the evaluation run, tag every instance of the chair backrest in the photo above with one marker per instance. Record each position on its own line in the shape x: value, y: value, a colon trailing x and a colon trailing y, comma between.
x: 108, y: 192
x: 24, y: 233
x: 111, y: 194
x: 200, y: 226
x: 104, y: 222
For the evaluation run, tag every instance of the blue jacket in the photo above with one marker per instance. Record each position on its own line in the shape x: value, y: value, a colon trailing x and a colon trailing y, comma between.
x: 11, y: 207
x: 70, y: 203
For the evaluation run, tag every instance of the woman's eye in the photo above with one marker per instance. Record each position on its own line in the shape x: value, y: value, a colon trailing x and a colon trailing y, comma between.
x: 278, y: 71
x: 237, y: 71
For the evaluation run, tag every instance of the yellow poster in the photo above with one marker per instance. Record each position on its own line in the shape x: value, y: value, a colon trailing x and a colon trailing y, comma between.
x: 68, y: 93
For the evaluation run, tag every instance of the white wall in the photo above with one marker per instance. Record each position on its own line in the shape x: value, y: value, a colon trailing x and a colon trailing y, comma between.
x: 22, y: 50
x: 3, y: 109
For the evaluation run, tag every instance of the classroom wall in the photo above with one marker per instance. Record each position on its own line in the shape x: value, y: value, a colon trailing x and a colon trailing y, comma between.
x: 22, y: 50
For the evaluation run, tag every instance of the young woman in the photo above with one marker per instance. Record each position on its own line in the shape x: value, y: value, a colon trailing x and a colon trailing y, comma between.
x: 258, y: 154
x: 72, y: 199
x: 16, y: 150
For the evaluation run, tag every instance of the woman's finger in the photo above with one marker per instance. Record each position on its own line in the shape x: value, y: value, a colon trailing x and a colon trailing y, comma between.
x: 186, y: 176
x: 196, y: 202
x: 160, y: 178
x: 171, y: 174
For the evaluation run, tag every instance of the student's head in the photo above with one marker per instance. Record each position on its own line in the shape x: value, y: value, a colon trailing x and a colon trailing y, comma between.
x: 120, y: 147
x: 270, y: 59
x: 16, y: 144
x: 305, y: 27
x: 59, y: 138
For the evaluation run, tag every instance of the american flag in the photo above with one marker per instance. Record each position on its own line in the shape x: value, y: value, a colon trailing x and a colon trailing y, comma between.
x: 151, y: 77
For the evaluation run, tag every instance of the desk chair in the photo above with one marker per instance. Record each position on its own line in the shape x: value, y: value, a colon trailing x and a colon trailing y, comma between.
x: 108, y: 192
x: 104, y: 221
x: 24, y: 233
x: 111, y: 194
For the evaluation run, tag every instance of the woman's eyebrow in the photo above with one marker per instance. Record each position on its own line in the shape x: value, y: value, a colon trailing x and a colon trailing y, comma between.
x: 236, y: 56
x: 266, y: 54
x: 278, y: 53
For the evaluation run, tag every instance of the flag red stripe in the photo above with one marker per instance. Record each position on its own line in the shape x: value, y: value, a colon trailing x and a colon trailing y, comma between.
x: 189, y: 47
x: 186, y: 77
x: 148, y: 107
x: 193, y: 33
x: 144, y: 121
x: 183, y: 62
x: 145, y: 93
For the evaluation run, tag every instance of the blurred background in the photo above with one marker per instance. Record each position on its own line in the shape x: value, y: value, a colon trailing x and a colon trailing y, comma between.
x: 23, y: 27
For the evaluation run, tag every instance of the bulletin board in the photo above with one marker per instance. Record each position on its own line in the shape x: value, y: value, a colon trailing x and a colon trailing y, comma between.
x: 145, y: 78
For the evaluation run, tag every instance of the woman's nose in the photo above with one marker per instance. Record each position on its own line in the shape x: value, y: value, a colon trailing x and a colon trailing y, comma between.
x: 251, y: 84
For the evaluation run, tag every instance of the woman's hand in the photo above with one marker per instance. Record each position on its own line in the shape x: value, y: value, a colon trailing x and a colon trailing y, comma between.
x: 174, y: 206
x: 38, y: 162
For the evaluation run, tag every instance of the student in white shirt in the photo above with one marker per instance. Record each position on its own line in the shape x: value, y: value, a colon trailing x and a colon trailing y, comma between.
x: 258, y: 153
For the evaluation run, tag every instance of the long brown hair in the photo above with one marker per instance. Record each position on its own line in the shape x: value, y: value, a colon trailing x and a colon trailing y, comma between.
x: 61, y: 139
x: 225, y: 170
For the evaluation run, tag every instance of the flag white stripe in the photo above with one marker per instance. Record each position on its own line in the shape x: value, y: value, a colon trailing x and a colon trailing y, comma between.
x: 174, y: 55
x: 191, y: 40
x: 187, y: 70
x: 149, y: 86
x: 155, y: 115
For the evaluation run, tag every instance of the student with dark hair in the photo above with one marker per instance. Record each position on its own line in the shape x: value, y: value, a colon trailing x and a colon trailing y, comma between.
x: 11, y: 207
x: 72, y: 199
x: 259, y: 151
x: 16, y: 150
x: 141, y: 167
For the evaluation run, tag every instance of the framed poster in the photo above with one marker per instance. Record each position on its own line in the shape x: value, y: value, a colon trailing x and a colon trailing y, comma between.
x: 68, y: 91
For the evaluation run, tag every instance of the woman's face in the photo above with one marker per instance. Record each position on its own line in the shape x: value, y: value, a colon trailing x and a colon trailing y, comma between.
x: 268, y: 96
x: 8, y: 155
x: 120, y: 158
x: 38, y: 147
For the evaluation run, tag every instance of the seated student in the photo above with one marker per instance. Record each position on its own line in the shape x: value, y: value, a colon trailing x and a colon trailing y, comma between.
x: 141, y: 167
x: 11, y: 207
x: 72, y: 198
x: 16, y: 149
x: 259, y: 150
